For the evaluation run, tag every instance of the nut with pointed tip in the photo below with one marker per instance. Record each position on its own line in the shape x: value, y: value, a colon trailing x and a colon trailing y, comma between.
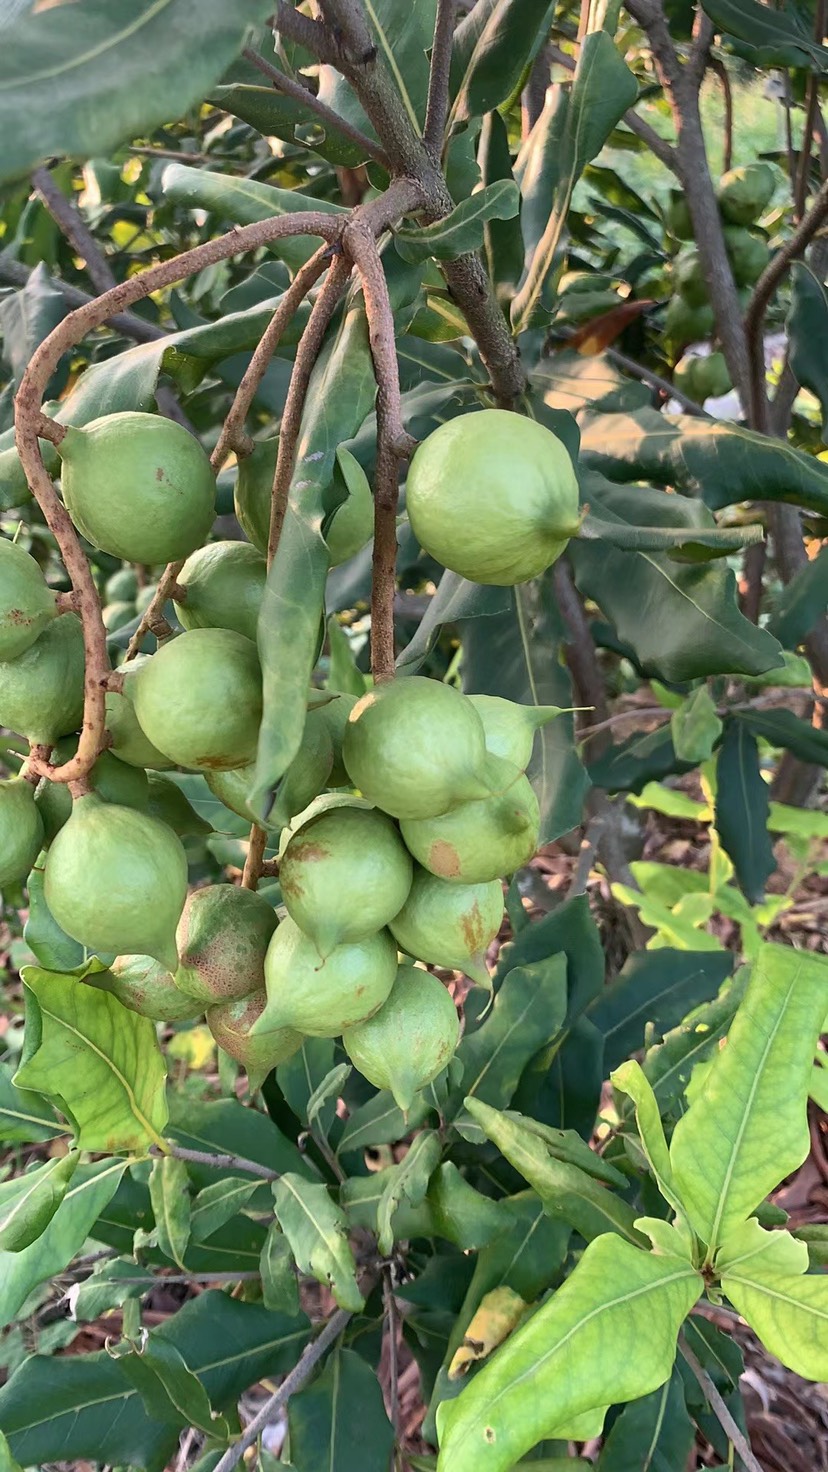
x: 478, y: 841
x: 27, y: 605
x: 145, y: 986
x: 320, y: 998
x: 224, y: 583
x: 199, y: 699
x: 232, y: 1025
x: 41, y: 692
x: 450, y: 924
x: 344, y: 874
x: 410, y: 1040
x: 493, y: 496
x: 21, y: 827
x: 222, y: 939
x: 138, y: 486
x: 116, y: 881
x: 510, y: 727
x: 415, y: 747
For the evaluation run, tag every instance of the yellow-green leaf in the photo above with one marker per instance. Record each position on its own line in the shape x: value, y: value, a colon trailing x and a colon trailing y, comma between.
x: 613, y: 1326
x: 316, y: 1229
x: 788, y: 1312
x: 747, y: 1127
x: 98, y: 1061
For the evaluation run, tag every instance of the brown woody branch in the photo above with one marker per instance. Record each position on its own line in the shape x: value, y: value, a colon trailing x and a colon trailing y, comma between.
x: 439, y: 78
x: 64, y: 212
x: 31, y: 424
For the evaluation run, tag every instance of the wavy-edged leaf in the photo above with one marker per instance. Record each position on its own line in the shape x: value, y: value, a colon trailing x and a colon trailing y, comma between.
x: 723, y: 463
x: 613, y: 1324
x: 747, y: 1127
x: 789, y: 1313
x: 158, y: 1371
x: 516, y: 655
x: 29, y: 1201
x: 462, y: 231
x: 80, y: 82
x: 24, y: 1116
x: 100, y: 1062
x: 339, y: 1422
x: 570, y: 132
x: 742, y: 810
x: 409, y: 1184
x: 682, y: 620
x: 567, y: 1192
x: 316, y: 1229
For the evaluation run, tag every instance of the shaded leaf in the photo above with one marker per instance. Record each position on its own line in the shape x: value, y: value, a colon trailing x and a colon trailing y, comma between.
x: 783, y: 728
x: 614, y: 1323
x: 769, y: 37
x: 695, y: 727
x: 159, y: 1372
x: 527, y: 1011
x: 52, y: 947
x: 493, y: 45
x: 642, y: 758
x: 316, y: 1229
x: 802, y: 602
x: 517, y: 655
x: 100, y: 1062
x: 225, y: 1125
x: 742, y: 810
x: 93, y: 1186
x: 567, y: 1192
x: 718, y: 461
x: 219, y: 1203
x: 462, y: 231
x: 29, y: 1201
x: 653, y: 1434
x: 760, y: 1082
x: 807, y: 324
x: 81, y: 82
x: 339, y: 1422
x: 685, y: 544
x: 570, y: 132
x: 275, y: 115
x: 657, y: 989
x: 280, y: 1289
x: 24, y: 1116
x: 456, y: 600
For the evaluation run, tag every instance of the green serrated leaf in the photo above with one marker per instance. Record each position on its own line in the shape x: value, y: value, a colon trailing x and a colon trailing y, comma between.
x: 28, y: 1202
x: 615, y: 1322
x: 317, y: 1229
x: 462, y: 231
x: 169, y: 1188
x: 748, y: 1127
x: 98, y: 1061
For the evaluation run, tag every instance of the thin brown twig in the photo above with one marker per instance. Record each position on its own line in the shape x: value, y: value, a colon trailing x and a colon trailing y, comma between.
x: 31, y: 424
x: 762, y: 293
x: 255, y: 855
x: 232, y: 434
x: 306, y: 355
x: 220, y: 1161
x: 294, y: 1381
x: 438, y: 78
x: 73, y: 226
x: 326, y: 114
x: 733, y: 1432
